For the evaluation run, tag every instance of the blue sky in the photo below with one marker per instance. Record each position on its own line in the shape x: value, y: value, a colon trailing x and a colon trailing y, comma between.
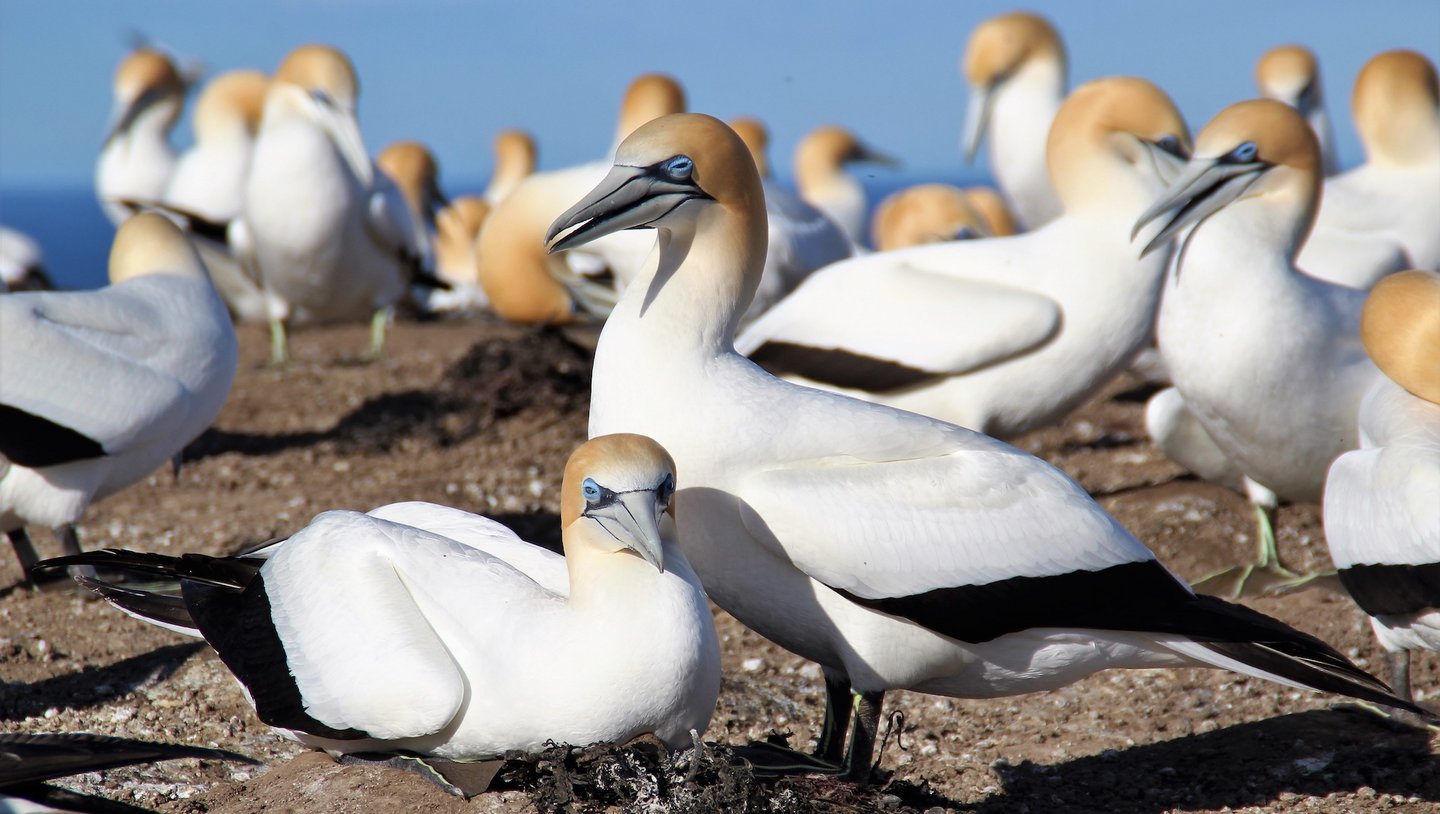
x: 452, y: 74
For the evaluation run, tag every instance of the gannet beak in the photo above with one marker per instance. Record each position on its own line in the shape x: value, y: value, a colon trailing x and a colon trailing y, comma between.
x: 867, y: 155
x: 977, y: 117
x: 339, y: 121
x: 123, y: 118
x: 634, y: 519
x: 1204, y: 187
x: 1168, y: 160
x: 628, y: 198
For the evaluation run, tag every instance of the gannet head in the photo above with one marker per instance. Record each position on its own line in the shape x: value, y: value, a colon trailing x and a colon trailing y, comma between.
x: 615, y: 490
x: 1400, y: 327
x: 1290, y: 74
x: 756, y: 136
x: 825, y: 151
x: 648, y: 97
x: 926, y: 213
x: 998, y: 48
x: 145, y: 77
x: 514, y: 152
x: 992, y: 208
x: 1396, y: 105
x: 233, y: 100
x: 148, y: 243
x: 413, y: 168
x: 318, y: 82
x: 1123, y: 117
x: 462, y: 218
x: 1251, y: 149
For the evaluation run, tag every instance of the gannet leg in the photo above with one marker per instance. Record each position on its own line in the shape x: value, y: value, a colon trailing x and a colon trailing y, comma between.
x: 864, y: 728
x: 831, y: 745
x: 378, y: 322
x: 1267, y: 571
x: 24, y: 550
x: 1400, y: 674
x: 279, y: 343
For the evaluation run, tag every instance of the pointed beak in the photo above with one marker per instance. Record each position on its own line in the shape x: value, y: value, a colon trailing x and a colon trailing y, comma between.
x: 627, y: 198
x: 977, y: 118
x: 344, y: 130
x: 1205, y: 186
x: 867, y: 155
x: 126, y: 116
x: 634, y: 520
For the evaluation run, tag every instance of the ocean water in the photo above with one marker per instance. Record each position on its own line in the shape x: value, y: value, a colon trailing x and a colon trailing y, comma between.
x: 75, y: 235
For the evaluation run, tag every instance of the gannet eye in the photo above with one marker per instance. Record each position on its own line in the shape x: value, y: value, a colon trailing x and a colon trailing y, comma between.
x: 322, y: 97
x: 666, y: 489
x: 1171, y: 145
x: 590, y: 489
x: 1243, y: 154
x: 680, y: 167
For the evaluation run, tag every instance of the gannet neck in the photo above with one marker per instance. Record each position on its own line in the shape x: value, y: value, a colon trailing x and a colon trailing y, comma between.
x: 756, y: 136
x: 456, y: 228
x: 1396, y: 106
x: 512, y: 262
x: 649, y: 97
x: 514, y: 161
x: 149, y: 243
x: 415, y: 171
x: 230, y: 107
x: 1400, y: 328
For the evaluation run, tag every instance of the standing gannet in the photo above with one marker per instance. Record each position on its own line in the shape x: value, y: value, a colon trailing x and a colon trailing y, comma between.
x: 22, y: 264
x: 1382, y: 501
x: 1008, y: 334
x: 1015, y: 65
x: 329, y: 242
x: 101, y: 387
x: 1266, y: 358
x: 514, y: 162
x: 428, y: 630
x: 136, y: 160
x: 820, y: 161
x: 895, y: 550
x: 1395, y: 194
x: 1291, y: 74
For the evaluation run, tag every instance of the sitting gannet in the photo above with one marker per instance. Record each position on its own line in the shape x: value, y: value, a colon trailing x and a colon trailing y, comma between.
x: 820, y: 161
x: 1015, y: 65
x: 895, y: 550
x: 1008, y: 334
x: 456, y: 228
x: 22, y: 264
x: 101, y: 387
x: 1266, y: 358
x: 428, y: 630
x: 938, y: 213
x: 1381, y: 516
x: 137, y: 159
x: 514, y: 162
x: 1291, y: 74
x: 330, y: 243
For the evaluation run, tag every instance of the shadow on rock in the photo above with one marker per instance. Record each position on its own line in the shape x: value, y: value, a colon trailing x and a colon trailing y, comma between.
x: 93, y: 685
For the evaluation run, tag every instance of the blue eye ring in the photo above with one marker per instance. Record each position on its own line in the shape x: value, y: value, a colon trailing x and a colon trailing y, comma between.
x: 590, y: 489
x: 680, y: 167
x: 1245, y: 152
x: 1170, y: 143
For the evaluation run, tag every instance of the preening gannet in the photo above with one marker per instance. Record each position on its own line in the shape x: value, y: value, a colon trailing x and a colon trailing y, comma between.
x: 1291, y: 74
x: 101, y: 387
x: 426, y: 629
x: 820, y: 162
x: 1015, y: 66
x: 1267, y: 358
x: 1381, y: 517
x: 1007, y: 334
x: 22, y: 265
x: 895, y: 550
x: 514, y: 162
x: 136, y: 160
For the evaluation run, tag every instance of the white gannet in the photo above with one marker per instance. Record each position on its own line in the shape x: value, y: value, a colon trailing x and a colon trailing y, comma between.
x: 1382, y: 501
x: 1267, y: 358
x: 923, y: 214
x: 101, y: 387
x: 22, y: 264
x: 1395, y: 194
x: 330, y: 243
x: 514, y: 162
x: 136, y: 160
x: 820, y: 161
x: 456, y: 228
x: 895, y: 550
x: 1008, y: 334
x: 1015, y: 66
x: 1291, y: 74
x: 414, y: 170
x: 429, y: 630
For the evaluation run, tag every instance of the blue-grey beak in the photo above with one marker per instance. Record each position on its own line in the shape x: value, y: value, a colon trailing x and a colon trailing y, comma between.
x: 628, y: 198
x: 1203, y: 188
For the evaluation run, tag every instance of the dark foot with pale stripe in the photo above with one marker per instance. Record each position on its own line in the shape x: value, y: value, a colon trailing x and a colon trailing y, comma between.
x: 462, y: 779
x: 772, y: 758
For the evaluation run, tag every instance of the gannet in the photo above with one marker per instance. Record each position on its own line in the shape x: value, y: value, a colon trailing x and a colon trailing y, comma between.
x: 22, y: 264
x: 1015, y: 66
x: 1291, y: 74
x: 329, y: 241
x: 896, y: 550
x: 415, y: 171
x: 923, y: 214
x: 514, y: 162
x: 430, y: 630
x: 1395, y: 194
x: 992, y: 208
x: 101, y: 387
x: 1381, y: 517
x: 136, y: 160
x: 1266, y: 358
x: 456, y: 229
x: 820, y: 161
x: 1008, y: 334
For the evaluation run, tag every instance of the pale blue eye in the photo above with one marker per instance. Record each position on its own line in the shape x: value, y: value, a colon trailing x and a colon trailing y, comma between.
x: 1246, y: 151
x: 680, y: 167
x: 590, y: 489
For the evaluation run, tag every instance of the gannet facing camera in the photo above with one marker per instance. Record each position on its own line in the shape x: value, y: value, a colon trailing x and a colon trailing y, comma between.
x: 1291, y: 74
x: 136, y: 160
x: 101, y: 387
x: 424, y: 629
x: 895, y: 550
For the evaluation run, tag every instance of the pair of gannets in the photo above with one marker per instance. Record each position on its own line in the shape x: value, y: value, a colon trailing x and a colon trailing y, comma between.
x: 895, y: 550
x: 936, y: 213
x: 101, y: 387
x: 137, y: 160
x: 821, y: 159
x: 429, y: 630
x: 1382, y: 501
x: 1004, y: 335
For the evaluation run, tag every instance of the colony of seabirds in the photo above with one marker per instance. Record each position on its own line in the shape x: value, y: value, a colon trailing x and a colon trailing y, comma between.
x: 805, y: 430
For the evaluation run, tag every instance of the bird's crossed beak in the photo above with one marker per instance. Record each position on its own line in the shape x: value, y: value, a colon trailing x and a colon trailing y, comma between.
x: 628, y: 198
x: 1204, y: 187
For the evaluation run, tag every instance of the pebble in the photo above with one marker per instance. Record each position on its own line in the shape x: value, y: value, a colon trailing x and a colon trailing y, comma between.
x: 752, y: 665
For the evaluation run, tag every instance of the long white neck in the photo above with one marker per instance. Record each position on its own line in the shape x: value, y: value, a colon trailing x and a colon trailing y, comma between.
x: 1023, y: 108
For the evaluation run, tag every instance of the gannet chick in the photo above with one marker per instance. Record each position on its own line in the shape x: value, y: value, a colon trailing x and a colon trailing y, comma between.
x: 1291, y: 74
x: 1395, y: 194
x: 1015, y: 66
x: 820, y: 161
x: 101, y: 387
x: 428, y: 630
x: 1008, y: 334
x: 514, y: 162
x: 22, y: 264
x: 1380, y: 501
x: 1266, y: 357
x: 924, y: 214
x: 136, y: 160
x: 895, y: 550
x: 329, y: 242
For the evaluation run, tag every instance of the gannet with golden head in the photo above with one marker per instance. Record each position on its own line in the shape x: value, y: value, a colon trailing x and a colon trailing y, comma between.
x: 329, y: 242
x: 1291, y: 74
x: 1007, y: 334
x: 925, y: 213
x: 514, y: 162
x: 1265, y: 356
x: 457, y: 227
x: 821, y: 159
x: 101, y: 387
x: 895, y: 550
x: 1015, y: 67
x: 423, y: 629
x: 1381, y: 521
x: 137, y: 160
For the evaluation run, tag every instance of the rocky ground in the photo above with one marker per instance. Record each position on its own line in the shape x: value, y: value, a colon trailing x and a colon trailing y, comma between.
x: 483, y: 416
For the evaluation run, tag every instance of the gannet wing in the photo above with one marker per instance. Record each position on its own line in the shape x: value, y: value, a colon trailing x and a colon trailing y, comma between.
x: 540, y: 564
x: 392, y: 227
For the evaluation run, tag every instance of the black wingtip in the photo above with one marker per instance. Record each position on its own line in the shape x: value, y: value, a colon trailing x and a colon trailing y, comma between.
x: 30, y: 758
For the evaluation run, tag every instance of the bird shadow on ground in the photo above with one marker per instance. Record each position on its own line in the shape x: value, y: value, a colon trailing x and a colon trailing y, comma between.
x: 1313, y: 753
x: 93, y: 685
